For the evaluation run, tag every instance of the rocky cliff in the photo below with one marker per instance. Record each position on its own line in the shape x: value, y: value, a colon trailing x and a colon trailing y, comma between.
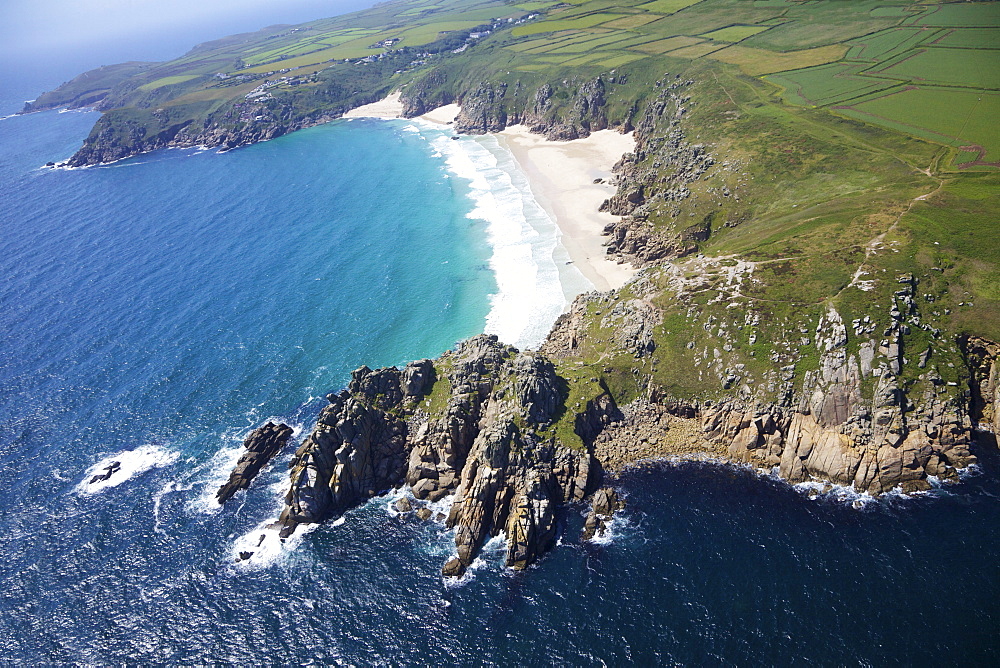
x: 474, y: 424
x: 262, y: 444
x: 484, y: 425
x: 118, y: 135
x: 568, y: 110
x: 655, y: 178
x: 874, y: 413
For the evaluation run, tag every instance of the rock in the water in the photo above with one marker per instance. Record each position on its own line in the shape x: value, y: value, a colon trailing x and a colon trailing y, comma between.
x: 403, y: 505
x: 359, y: 446
x: 605, y: 504
x: 454, y: 568
x: 261, y: 446
x: 424, y: 513
x: 109, y: 471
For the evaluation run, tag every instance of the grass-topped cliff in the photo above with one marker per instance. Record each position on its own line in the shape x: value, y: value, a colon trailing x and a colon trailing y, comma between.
x: 812, y: 197
x: 927, y: 69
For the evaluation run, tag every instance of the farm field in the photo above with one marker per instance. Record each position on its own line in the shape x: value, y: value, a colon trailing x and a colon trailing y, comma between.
x: 892, y: 63
x: 970, y: 38
x: 953, y: 117
x: 168, y: 81
x: 827, y: 84
x: 734, y: 33
x: 971, y: 68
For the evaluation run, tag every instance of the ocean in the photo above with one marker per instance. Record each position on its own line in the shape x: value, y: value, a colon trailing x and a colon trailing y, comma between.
x: 154, y: 311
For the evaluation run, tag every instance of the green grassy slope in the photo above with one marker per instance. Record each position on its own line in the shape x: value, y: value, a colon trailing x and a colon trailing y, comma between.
x: 854, y: 143
x: 926, y: 69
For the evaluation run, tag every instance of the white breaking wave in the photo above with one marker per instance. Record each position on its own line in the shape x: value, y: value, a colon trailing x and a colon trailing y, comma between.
x: 263, y: 546
x: 615, y: 528
x: 217, y: 469
x: 113, y: 470
x: 534, y: 283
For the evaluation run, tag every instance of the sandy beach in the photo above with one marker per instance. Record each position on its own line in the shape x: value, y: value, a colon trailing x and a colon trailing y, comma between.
x: 561, y: 176
x: 388, y: 107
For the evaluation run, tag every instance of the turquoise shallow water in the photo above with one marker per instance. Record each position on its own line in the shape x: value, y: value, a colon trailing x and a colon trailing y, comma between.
x: 155, y: 310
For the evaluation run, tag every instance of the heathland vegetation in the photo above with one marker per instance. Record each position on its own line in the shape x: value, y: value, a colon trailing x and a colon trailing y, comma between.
x: 813, y: 196
x: 855, y: 139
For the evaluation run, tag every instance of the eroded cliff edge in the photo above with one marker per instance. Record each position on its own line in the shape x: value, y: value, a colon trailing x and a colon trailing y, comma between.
x: 783, y: 323
x: 512, y: 438
x: 476, y: 424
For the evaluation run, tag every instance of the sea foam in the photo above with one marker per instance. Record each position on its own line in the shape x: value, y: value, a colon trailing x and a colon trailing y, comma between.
x: 535, y: 282
x: 528, y: 261
x: 131, y: 463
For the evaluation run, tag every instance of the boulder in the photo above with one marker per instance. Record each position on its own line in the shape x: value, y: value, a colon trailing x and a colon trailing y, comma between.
x: 604, y: 505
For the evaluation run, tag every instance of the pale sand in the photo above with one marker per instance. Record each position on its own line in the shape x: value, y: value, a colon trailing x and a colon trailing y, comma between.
x: 561, y: 175
x: 389, y: 107
x: 442, y: 115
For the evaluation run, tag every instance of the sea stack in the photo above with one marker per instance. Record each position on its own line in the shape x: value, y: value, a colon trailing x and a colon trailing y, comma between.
x: 262, y: 444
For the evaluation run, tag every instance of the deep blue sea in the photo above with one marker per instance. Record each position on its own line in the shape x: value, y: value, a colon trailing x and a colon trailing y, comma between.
x: 156, y: 310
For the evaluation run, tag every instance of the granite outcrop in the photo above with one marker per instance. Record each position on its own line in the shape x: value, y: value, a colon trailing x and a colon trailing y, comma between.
x: 261, y: 445
x: 473, y: 425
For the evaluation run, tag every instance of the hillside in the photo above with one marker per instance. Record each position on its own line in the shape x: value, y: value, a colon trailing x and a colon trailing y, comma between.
x: 812, y: 197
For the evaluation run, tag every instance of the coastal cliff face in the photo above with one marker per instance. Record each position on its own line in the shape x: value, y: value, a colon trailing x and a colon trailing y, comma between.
x: 581, y: 107
x: 790, y: 316
x: 655, y: 177
x: 121, y: 134
x: 824, y: 367
x: 563, y: 111
x: 483, y: 428
x: 473, y: 424
x: 857, y: 419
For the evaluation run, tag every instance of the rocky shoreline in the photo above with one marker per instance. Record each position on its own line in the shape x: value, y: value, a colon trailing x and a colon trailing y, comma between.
x: 121, y: 134
x: 516, y: 437
x: 472, y: 425
x: 479, y: 425
x: 502, y: 433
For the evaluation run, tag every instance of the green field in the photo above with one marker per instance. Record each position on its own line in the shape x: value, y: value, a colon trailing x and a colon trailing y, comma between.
x: 827, y: 84
x: 589, y: 45
x: 953, y: 117
x: 970, y: 38
x: 629, y: 22
x: 426, y: 34
x: 886, y: 44
x: 970, y: 68
x: 667, y: 6
x: 622, y: 59
x: 734, y: 33
x: 587, y: 21
x: 697, y: 51
x: 168, y: 81
x: 985, y: 14
x: 357, y: 48
x: 761, y: 61
x: 664, y: 45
